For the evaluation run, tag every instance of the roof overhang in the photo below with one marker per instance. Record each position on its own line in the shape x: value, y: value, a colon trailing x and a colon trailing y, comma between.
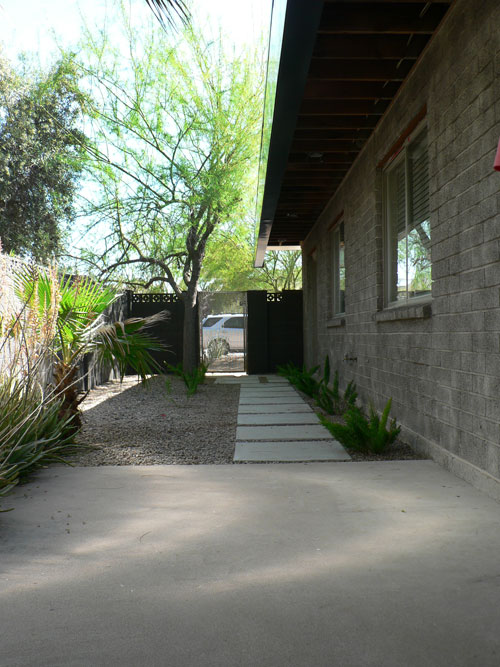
x: 292, y: 37
x: 334, y: 68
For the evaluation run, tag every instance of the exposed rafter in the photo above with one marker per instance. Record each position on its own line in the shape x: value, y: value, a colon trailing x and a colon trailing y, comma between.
x: 362, y: 53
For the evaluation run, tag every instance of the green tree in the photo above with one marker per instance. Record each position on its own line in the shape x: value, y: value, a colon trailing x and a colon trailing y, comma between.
x: 175, y: 148
x: 228, y: 264
x: 40, y: 157
x: 282, y: 270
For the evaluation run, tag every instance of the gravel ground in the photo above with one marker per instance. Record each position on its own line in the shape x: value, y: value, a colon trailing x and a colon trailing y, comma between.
x: 132, y: 424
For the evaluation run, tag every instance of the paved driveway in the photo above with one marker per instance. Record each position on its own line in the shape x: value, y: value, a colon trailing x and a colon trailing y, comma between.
x: 332, y: 564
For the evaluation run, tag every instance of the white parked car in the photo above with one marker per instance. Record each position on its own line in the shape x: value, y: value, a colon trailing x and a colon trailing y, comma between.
x: 224, y: 333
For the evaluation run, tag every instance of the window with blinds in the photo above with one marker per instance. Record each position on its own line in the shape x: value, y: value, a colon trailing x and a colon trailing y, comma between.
x: 408, y: 226
x: 338, y: 270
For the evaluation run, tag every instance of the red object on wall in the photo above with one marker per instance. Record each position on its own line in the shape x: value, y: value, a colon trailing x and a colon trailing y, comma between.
x: 496, y: 164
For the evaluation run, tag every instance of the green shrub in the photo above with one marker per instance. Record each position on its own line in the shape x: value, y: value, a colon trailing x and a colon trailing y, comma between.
x: 32, y: 432
x: 364, y: 434
x: 301, y: 378
x: 190, y: 378
x: 327, y: 398
x: 350, y: 395
x: 330, y: 400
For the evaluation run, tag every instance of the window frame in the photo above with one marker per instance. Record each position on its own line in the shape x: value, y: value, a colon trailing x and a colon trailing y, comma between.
x: 228, y: 324
x: 338, y: 237
x: 401, y: 156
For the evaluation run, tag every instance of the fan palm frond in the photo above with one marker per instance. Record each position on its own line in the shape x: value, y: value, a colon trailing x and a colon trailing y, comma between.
x: 75, y: 308
x: 167, y: 11
x: 123, y: 345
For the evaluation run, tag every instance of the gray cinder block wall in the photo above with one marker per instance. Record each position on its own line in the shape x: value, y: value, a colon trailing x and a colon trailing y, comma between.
x: 440, y: 364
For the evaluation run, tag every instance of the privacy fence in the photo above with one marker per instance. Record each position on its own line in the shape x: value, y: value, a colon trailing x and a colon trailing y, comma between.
x: 273, y: 324
x: 269, y: 325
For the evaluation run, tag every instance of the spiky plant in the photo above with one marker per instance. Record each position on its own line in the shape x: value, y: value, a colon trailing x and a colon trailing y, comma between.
x: 80, y: 328
x: 372, y: 434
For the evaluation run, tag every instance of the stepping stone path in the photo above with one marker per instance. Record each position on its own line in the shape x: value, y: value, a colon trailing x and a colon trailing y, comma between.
x: 276, y: 425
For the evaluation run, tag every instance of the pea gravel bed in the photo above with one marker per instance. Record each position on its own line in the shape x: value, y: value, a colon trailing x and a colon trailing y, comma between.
x: 134, y: 424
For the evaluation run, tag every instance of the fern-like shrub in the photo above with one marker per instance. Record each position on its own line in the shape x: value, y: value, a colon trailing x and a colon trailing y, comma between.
x: 370, y: 434
x: 301, y: 378
x: 331, y: 400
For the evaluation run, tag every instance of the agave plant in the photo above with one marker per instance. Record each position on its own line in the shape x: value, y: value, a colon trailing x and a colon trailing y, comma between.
x: 79, y: 327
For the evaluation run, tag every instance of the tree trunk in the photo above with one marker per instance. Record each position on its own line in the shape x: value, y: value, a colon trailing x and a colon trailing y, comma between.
x: 190, y: 340
x: 65, y: 381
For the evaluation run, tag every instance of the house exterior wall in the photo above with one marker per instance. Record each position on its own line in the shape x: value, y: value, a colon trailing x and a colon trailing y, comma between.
x: 439, y: 362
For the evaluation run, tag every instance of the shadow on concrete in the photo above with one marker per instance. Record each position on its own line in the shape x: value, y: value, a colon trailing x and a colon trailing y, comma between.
x: 329, y: 564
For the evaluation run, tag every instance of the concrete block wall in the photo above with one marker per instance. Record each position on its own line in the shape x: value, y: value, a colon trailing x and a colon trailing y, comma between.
x: 440, y: 362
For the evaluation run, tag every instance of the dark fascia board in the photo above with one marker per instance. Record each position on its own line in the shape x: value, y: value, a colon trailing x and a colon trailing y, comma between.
x: 297, y: 42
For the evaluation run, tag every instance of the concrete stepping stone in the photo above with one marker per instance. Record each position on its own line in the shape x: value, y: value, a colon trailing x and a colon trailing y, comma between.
x: 290, y: 451
x: 289, y: 432
x: 274, y: 409
x: 273, y: 379
x: 271, y: 400
x: 275, y: 424
x: 276, y: 418
x: 247, y: 392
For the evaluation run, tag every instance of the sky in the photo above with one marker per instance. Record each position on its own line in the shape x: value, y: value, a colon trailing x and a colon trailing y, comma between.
x: 40, y: 25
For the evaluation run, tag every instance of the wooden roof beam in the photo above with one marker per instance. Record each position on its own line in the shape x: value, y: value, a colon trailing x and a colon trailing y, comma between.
x: 359, y: 70
x: 382, y: 18
x: 308, y: 197
x: 422, y: 3
x: 369, y: 46
x: 320, y: 135
x: 303, y: 158
x: 328, y: 145
x: 342, y: 107
x: 328, y: 172
x: 337, y: 122
x: 354, y: 90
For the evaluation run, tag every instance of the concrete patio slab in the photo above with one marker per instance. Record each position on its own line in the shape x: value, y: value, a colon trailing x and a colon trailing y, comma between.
x: 277, y: 418
x: 319, y: 450
x: 292, y: 432
x: 391, y: 564
x: 274, y: 409
x: 276, y: 400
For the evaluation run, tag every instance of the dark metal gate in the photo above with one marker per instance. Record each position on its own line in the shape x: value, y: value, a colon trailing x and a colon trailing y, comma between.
x: 275, y: 330
x: 273, y: 333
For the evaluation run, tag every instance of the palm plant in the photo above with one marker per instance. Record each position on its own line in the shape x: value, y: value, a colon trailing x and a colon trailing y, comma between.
x: 169, y: 10
x: 79, y: 327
